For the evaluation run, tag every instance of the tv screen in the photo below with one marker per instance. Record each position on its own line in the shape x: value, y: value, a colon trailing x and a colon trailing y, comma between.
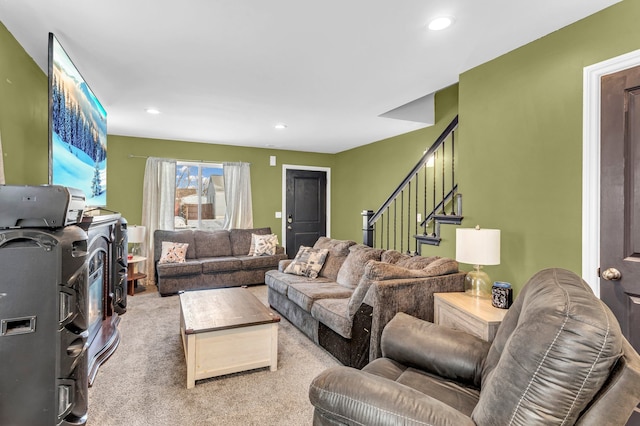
x: 77, y: 130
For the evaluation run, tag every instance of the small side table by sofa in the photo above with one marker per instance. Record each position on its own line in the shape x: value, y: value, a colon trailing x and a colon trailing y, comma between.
x: 474, y: 315
x: 132, y: 275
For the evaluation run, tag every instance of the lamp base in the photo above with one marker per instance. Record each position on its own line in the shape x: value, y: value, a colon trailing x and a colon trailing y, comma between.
x: 477, y: 283
x: 135, y: 249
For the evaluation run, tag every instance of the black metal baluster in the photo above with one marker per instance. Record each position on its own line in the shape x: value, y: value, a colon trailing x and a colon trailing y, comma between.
x: 424, y: 217
x: 401, y: 221
x: 388, y: 227
x: 382, y: 231
x: 453, y: 169
x: 443, y: 167
x: 395, y: 222
x: 435, y: 163
x: 416, y: 218
x: 409, y: 219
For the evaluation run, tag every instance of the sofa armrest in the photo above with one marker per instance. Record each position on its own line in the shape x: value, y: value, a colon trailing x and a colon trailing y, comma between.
x: 282, y: 265
x: 344, y: 393
x: 436, y: 349
x: 413, y: 296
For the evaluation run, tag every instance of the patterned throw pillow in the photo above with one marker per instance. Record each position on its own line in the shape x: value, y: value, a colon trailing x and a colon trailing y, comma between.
x: 173, y: 252
x: 307, y: 262
x: 252, y: 247
x: 264, y: 245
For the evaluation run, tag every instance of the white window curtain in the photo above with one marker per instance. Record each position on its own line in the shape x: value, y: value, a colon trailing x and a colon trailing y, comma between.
x: 237, y: 187
x: 158, y: 198
x: 2, y: 182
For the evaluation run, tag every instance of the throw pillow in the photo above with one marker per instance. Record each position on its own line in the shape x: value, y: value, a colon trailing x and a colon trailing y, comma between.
x: 264, y: 245
x: 416, y: 262
x: 338, y: 252
x: 392, y: 256
x: 307, y: 262
x: 173, y: 252
x: 379, y: 271
x: 252, y: 247
x: 353, y: 267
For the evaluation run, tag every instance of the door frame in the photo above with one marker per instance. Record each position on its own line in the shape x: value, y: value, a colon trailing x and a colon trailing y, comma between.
x: 591, y: 161
x: 286, y: 167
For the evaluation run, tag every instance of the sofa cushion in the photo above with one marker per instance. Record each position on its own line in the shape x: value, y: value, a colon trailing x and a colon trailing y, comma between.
x: 308, y: 262
x: 333, y: 313
x: 304, y: 294
x: 185, y: 236
x: 391, y: 256
x: 219, y: 264
x: 388, y: 271
x: 190, y: 267
x: 212, y: 243
x: 353, y: 267
x: 259, y: 262
x: 338, y: 252
x: 279, y: 281
x: 453, y: 394
x: 241, y: 239
x: 416, y: 262
x: 173, y: 252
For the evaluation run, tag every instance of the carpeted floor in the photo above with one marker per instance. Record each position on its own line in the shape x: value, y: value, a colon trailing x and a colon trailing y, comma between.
x: 144, y: 381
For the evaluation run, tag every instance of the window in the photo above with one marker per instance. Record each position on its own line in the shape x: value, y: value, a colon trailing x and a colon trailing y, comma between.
x: 200, y: 200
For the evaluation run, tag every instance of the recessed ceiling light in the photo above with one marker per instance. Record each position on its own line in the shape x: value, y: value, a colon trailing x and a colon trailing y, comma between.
x: 152, y: 111
x: 441, y: 22
x: 280, y: 126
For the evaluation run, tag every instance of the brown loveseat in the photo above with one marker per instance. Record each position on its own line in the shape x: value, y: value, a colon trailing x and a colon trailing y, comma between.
x: 213, y: 259
x: 359, y: 290
x: 559, y: 358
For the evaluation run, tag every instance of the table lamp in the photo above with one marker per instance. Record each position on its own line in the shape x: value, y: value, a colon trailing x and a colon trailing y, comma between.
x: 478, y: 247
x: 135, y: 236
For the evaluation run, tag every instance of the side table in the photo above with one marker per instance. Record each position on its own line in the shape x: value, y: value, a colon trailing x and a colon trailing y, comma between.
x: 133, y: 276
x: 474, y: 315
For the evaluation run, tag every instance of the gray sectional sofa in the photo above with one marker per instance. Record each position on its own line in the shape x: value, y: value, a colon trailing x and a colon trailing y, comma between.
x: 358, y: 291
x: 213, y: 259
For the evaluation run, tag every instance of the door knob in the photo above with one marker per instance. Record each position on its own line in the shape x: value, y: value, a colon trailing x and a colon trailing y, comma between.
x: 611, y: 274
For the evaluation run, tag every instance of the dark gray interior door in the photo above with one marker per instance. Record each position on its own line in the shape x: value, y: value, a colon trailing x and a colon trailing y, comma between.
x: 306, y: 202
x: 620, y: 202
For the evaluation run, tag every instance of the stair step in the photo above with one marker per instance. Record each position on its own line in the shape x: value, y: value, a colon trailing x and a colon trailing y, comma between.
x: 428, y: 239
x: 448, y: 219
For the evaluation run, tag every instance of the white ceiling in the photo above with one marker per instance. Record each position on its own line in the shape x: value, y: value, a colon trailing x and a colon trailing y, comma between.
x: 226, y: 71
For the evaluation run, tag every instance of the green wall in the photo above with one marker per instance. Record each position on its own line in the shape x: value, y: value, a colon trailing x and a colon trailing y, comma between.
x: 521, y: 141
x: 519, y: 147
x: 23, y: 114
x: 126, y: 174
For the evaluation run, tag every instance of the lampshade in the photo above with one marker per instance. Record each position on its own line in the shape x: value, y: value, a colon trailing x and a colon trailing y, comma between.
x: 135, y: 234
x: 478, y: 246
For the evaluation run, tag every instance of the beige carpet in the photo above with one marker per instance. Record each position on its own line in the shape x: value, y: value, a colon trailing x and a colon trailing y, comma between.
x: 144, y: 381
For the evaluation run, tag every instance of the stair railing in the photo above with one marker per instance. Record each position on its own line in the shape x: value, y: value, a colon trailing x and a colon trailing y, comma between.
x: 431, y: 188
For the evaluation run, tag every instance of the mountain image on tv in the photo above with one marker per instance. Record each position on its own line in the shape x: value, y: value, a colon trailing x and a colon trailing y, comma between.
x: 78, y: 130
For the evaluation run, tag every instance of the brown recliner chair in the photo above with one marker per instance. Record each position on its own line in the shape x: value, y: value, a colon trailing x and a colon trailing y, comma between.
x: 559, y: 358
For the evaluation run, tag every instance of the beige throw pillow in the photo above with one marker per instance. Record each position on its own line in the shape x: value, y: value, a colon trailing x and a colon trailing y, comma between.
x: 173, y: 252
x: 307, y: 262
x: 264, y: 245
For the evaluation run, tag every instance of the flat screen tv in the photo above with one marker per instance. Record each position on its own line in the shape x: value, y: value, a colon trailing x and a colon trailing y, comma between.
x: 77, y: 130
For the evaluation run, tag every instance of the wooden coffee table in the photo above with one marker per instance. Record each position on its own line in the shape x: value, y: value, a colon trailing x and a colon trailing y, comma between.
x: 226, y: 330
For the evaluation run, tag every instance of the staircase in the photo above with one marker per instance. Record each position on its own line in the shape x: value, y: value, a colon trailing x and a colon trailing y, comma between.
x: 426, y: 199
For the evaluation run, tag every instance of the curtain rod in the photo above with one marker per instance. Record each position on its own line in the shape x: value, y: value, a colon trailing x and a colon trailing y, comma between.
x: 179, y: 159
